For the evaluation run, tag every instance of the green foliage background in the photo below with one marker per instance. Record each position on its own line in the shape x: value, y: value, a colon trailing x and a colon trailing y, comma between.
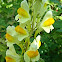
x: 51, y: 49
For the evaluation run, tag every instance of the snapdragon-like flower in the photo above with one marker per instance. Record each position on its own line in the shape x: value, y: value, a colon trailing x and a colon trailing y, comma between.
x: 15, y: 34
x: 21, y: 33
x: 36, y: 43
x: 47, y: 22
x: 33, y: 54
x: 10, y: 36
x: 12, y: 56
x: 28, y: 23
x: 23, y: 12
x: 40, y: 6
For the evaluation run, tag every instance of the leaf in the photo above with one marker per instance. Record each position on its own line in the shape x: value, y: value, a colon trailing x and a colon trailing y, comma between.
x: 2, y: 59
x: 3, y: 49
x: 2, y: 41
x: 58, y: 24
x: 41, y: 60
x: 55, y: 1
x: 59, y: 30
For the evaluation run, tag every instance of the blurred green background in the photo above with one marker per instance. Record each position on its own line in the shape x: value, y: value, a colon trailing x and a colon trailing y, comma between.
x: 51, y: 49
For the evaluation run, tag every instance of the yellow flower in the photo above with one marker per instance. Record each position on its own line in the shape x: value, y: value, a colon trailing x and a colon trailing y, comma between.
x: 40, y: 6
x: 33, y: 54
x: 36, y: 43
x: 11, y: 55
x: 47, y: 22
x: 23, y: 12
x: 16, y: 34
x: 11, y: 36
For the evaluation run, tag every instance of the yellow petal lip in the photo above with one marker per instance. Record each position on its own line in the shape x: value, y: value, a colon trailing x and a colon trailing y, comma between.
x: 20, y: 30
x: 23, y: 13
x: 39, y: 43
x: 48, y: 22
x: 9, y: 59
x: 32, y: 54
x: 9, y: 37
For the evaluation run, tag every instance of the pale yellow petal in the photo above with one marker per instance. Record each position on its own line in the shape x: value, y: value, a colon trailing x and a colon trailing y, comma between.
x: 25, y: 6
x: 26, y: 57
x: 11, y: 30
x: 33, y: 45
x: 47, y: 29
